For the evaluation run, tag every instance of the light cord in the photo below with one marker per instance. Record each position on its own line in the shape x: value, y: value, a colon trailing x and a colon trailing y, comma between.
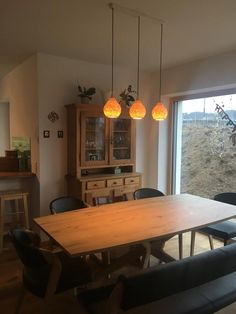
x: 161, y: 39
x: 138, y: 57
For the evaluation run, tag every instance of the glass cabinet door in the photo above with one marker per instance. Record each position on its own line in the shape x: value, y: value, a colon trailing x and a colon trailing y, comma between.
x: 120, y: 140
x: 93, y: 140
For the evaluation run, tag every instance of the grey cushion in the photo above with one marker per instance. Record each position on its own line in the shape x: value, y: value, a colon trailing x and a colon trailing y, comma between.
x: 225, y: 230
x: 165, y: 280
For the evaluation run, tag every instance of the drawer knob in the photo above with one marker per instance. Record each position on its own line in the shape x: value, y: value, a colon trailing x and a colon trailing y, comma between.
x: 95, y: 184
x: 131, y: 180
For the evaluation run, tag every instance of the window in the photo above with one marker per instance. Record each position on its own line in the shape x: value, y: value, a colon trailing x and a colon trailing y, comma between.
x: 205, y: 146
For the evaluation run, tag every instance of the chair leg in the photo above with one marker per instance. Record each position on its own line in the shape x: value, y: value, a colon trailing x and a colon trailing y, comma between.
x: 106, y: 257
x: 180, y: 245
x: 17, y: 212
x: 26, y: 211
x: 211, y: 241
x: 192, y: 245
x: 20, y: 300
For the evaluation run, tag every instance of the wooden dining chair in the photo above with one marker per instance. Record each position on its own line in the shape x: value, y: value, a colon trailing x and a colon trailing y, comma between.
x: 157, y: 249
x: 225, y: 230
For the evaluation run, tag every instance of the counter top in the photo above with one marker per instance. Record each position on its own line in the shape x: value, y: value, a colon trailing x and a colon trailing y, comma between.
x: 15, y: 175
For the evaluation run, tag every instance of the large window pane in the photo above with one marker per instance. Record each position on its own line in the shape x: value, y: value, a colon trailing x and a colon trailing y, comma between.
x: 208, y: 148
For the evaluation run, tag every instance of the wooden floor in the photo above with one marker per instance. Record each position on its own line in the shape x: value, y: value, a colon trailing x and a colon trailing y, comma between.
x: 10, y: 282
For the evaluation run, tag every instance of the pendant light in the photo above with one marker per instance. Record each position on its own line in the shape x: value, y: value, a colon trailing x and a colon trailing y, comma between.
x: 112, y: 108
x: 159, y: 112
x: 137, y: 110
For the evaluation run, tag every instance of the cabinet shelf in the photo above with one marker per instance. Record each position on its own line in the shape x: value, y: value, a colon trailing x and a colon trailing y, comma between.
x: 94, y: 148
x: 121, y: 148
x: 92, y: 131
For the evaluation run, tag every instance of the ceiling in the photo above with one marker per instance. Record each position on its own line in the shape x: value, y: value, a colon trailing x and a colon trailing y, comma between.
x: 193, y: 29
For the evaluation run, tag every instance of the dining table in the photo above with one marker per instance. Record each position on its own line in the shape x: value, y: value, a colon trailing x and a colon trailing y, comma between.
x: 101, y: 228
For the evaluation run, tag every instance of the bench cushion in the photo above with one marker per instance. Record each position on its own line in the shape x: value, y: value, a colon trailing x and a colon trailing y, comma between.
x: 168, y: 279
x: 225, y: 230
x: 204, y: 299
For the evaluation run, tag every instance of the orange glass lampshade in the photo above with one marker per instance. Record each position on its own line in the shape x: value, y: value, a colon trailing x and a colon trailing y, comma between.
x: 137, y: 110
x: 159, y: 112
x: 112, y: 108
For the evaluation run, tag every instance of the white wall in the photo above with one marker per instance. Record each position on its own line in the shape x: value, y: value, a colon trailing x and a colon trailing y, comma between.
x: 46, y: 83
x: 215, y: 75
x: 58, y: 79
x: 218, y: 72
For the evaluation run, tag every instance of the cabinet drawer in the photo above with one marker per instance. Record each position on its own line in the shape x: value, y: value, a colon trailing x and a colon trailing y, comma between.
x: 132, y: 180
x: 95, y: 184
x: 114, y: 182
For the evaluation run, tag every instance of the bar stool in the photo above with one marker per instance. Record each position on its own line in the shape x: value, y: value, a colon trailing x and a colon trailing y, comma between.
x: 15, y: 196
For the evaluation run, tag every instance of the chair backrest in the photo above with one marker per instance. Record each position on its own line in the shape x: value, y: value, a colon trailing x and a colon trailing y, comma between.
x: 65, y: 203
x: 26, y: 244
x: 228, y: 197
x: 147, y: 192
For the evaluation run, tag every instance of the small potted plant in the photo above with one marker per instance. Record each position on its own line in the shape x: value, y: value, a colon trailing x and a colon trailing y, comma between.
x: 86, y: 94
x: 127, y: 96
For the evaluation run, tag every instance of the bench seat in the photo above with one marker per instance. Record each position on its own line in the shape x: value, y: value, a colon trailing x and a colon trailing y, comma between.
x: 201, y: 284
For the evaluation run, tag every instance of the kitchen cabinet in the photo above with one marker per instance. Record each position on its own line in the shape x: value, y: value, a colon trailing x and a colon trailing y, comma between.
x: 101, y: 152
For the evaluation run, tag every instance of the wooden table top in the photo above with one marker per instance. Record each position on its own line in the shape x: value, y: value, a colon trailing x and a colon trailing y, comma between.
x: 100, y: 228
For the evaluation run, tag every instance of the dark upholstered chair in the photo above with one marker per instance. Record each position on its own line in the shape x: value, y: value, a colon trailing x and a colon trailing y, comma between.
x: 225, y: 230
x: 65, y: 203
x: 157, y: 249
x: 147, y: 192
x: 44, y: 272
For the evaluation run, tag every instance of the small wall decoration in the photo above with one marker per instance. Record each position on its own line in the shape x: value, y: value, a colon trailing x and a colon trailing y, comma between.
x: 46, y: 133
x: 60, y: 134
x: 53, y: 116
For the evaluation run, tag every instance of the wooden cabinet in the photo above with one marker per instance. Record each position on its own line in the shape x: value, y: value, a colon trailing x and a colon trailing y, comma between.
x: 99, y: 147
x: 106, y: 141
